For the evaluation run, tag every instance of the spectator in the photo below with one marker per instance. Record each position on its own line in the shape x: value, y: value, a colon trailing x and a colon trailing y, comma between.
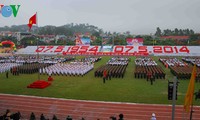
x: 32, y: 117
x: 82, y: 118
x: 153, y: 116
x: 42, y: 117
x: 113, y: 118
x: 121, y: 116
x: 54, y: 117
x: 7, y: 115
x: 69, y: 118
x: 17, y: 116
x: 1, y: 117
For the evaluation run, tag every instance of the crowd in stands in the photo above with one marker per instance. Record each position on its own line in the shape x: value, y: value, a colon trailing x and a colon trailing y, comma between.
x: 18, y: 116
x: 115, y: 67
x: 10, y: 116
x: 147, y: 67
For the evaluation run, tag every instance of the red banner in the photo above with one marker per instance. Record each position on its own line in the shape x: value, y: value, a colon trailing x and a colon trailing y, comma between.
x: 116, y: 50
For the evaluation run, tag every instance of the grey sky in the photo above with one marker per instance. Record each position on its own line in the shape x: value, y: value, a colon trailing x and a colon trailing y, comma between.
x: 136, y: 16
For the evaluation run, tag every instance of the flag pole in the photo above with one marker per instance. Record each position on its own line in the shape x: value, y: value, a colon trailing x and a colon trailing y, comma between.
x: 36, y: 19
x: 37, y: 31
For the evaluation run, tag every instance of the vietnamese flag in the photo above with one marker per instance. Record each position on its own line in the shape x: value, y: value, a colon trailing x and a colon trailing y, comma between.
x: 32, y: 21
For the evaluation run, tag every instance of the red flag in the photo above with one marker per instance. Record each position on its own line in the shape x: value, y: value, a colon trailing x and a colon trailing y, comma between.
x: 32, y: 21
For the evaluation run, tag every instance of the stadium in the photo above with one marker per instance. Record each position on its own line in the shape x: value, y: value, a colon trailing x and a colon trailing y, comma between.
x: 127, y: 81
x: 80, y: 72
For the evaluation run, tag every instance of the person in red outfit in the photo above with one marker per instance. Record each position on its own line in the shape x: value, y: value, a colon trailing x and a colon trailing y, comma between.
x: 50, y: 78
x: 104, y: 75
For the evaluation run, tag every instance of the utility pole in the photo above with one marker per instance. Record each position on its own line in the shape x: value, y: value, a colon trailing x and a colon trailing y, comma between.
x: 113, y: 37
x: 191, y: 111
x: 153, y: 37
x: 174, y: 98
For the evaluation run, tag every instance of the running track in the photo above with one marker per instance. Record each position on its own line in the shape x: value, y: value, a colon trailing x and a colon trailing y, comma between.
x: 90, y: 110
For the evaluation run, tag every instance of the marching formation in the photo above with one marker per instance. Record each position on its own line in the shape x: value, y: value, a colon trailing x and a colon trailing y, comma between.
x: 118, y: 61
x: 178, y: 68
x: 90, y: 59
x: 47, y: 65
x: 115, y: 67
x: 72, y: 68
x: 28, y: 68
x: 34, y: 59
x: 147, y: 67
x: 7, y: 66
x: 167, y: 61
x: 145, y: 62
x: 28, y: 64
x: 76, y: 68
x: 192, y: 60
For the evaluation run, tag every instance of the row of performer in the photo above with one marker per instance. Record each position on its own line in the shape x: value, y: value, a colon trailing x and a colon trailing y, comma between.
x: 77, y: 69
x: 112, y: 71
x: 184, y: 72
x: 7, y: 66
x: 148, y: 71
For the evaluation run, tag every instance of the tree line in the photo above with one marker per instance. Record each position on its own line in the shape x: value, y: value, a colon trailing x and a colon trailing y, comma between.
x: 68, y: 29
x: 113, y: 38
x: 176, y: 31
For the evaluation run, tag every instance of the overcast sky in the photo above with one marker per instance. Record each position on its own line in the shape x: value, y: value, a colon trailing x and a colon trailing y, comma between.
x: 136, y: 16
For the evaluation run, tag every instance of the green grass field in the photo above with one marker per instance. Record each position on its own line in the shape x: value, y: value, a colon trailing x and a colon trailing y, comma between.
x: 88, y: 87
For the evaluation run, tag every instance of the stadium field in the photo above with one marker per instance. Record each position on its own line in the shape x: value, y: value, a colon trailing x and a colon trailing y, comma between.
x: 88, y: 87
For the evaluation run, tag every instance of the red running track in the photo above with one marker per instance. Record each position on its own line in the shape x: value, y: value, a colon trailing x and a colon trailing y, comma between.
x: 90, y: 110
